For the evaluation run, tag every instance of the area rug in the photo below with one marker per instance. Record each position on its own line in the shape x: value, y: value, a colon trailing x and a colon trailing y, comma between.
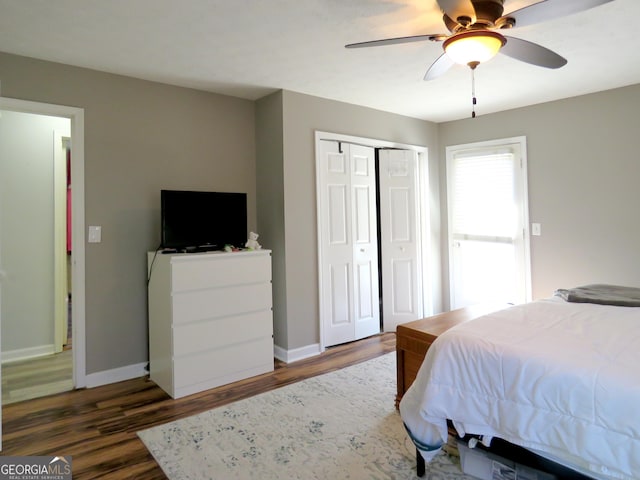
x: 340, y: 425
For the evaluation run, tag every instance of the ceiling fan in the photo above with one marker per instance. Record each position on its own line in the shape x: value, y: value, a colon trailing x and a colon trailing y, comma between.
x: 474, y: 36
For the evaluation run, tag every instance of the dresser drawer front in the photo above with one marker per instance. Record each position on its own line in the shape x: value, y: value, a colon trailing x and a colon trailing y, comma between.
x: 224, y: 362
x: 220, y: 302
x: 221, y: 332
x: 211, y: 271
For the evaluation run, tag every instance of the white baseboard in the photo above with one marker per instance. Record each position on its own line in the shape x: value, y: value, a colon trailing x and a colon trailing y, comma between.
x: 288, y: 356
x: 27, y: 353
x: 116, y: 375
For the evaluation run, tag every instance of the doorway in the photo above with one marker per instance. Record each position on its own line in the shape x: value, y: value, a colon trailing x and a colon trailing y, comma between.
x: 75, y: 119
x: 372, y: 236
x: 34, y: 173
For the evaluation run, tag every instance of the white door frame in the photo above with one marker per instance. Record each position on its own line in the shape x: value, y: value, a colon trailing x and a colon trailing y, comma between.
x: 76, y: 115
x: 424, y: 186
x: 60, y: 288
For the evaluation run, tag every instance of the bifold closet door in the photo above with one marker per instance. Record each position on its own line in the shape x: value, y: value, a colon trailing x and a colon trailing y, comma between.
x: 400, y: 238
x: 349, y: 289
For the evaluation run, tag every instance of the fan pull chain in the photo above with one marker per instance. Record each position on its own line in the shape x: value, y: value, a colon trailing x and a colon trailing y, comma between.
x: 473, y: 93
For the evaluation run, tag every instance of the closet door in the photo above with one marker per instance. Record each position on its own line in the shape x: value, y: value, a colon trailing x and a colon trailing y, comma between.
x: 400, y: 242
x: 365, y: 241
x: 349, y: 289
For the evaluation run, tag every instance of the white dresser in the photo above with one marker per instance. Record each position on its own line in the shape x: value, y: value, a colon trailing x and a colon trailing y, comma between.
x: 210, y: 319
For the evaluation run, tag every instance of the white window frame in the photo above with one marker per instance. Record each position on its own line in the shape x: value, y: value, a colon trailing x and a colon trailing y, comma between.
x: 489, y: 147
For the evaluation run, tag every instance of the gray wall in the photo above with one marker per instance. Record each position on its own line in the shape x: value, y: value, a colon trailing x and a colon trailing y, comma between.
x: 583, y: 171
x: 140, y: 137
x: 270, y: 195
x: 302, y: 116
x: 27, y: 228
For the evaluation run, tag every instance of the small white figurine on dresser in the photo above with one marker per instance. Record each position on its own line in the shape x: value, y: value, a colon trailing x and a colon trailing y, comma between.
x: 252, y: 242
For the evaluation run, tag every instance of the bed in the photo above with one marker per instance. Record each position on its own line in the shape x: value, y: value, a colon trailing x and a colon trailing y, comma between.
x: 559, y: 378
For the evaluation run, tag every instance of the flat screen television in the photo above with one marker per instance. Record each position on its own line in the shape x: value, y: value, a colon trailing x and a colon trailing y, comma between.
x: 193, y: 220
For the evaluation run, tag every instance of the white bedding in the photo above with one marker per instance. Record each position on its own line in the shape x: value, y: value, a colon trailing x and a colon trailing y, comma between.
x: 559, y: 378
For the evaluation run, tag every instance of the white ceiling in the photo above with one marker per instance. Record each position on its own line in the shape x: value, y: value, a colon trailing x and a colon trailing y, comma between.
x: 250, y: 48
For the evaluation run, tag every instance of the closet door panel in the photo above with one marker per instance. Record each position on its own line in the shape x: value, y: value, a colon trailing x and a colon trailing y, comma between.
x: 349, y: 287
x: 365, y: 242
x: 399, y: 238
x: 335, y: 225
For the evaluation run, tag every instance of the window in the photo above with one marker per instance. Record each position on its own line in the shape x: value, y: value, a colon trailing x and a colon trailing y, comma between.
x: 488, y: 238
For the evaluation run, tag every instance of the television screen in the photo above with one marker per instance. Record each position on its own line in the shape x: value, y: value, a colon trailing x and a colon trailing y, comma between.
x: 203, y: 220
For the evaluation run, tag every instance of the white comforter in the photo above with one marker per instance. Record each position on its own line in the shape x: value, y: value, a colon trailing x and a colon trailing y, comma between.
x: 559, y: 378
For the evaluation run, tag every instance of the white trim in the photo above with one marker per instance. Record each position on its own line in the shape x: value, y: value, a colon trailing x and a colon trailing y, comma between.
x: 425, y: 214
x: 27, y: 353
x: 116, y: 375
x: 288, y: 356
x: 365, y: 141
x: 424, y: 204
x: 78, y: 255
x: 60, y: 288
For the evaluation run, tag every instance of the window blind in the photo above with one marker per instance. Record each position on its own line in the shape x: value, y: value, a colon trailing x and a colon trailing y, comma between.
x: 483, y: 196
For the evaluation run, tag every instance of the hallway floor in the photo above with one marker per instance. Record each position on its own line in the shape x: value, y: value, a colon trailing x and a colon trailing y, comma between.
x: 27, y: 379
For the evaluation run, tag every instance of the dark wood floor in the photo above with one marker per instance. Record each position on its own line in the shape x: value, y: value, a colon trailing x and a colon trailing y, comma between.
x: 98, y: 426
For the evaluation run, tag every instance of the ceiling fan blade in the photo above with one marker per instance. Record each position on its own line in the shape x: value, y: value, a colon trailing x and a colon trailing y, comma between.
x: 434, y: 37
x: 551, y: 9
x: 439, y: 67
x: 532, y: 53
x: 458, y: 8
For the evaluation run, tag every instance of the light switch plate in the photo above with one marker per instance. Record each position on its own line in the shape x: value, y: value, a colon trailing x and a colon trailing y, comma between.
x: 536, y: 229
x: 95, y: 234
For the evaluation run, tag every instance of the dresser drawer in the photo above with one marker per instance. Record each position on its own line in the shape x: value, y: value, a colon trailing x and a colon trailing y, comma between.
x: 220, y: 302
x: 213, y: 271
x: 224, y: 362
x: 221, y: 332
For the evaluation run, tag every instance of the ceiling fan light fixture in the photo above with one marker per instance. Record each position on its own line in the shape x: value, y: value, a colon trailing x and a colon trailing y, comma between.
x: 474, y: 46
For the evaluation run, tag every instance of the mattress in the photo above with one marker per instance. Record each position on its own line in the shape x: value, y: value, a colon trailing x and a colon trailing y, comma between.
x: 559, y: 378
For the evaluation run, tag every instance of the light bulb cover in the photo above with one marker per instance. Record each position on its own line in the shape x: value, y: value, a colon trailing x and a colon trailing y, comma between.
x: 473, y: 46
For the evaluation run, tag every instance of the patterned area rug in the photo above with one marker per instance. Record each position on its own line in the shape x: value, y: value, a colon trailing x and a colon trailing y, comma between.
x: 341, y: 425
